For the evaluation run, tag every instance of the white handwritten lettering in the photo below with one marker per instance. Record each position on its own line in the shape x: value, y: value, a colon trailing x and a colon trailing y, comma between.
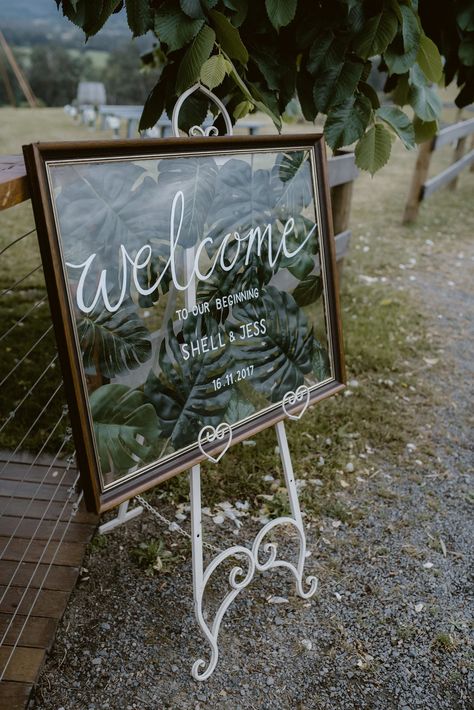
x: 131, y: 267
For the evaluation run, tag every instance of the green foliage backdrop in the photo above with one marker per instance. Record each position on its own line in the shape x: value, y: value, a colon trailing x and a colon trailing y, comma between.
x: 259, y: 55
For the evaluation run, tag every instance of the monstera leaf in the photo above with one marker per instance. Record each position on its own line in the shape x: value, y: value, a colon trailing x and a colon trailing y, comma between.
x: 183, y: 393
x: 156, y: 269
x: 114, y: 342
x: 321, y: 363
x: 196, y: 179
x: 243, y: 200
x: 281, y: 356
x: 302, y: 263
x: 104, y: 205
x: 293, y: 188
x: 308, y: 290
x: 239, y: 408
x: 121, y: 417
x: 249, y: 271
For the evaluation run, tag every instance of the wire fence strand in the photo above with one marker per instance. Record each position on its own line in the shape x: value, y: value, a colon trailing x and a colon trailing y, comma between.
x: 15, y: 241
x: 17, y: 283
x: 31, y: 427
x: 14, y: 411
x: 23, y: 318
x: 23, y: 358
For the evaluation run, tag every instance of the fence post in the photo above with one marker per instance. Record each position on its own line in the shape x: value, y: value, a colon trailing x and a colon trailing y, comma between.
x: 423, y: 161
x: 457, y: 155
x: 341, y: 200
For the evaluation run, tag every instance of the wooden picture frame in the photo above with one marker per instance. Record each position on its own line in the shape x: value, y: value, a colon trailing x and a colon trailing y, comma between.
x: 69, y: 222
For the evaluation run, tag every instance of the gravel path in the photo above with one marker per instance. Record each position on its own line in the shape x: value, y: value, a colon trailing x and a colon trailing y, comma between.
x: 391, y: 624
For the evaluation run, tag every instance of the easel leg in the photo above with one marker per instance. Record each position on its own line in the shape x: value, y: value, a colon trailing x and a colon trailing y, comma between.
x: 123, y: 516
x: 201, y: 577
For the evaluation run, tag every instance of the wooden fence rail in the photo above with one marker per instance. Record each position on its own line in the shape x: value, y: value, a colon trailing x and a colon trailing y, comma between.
x: 422, y: 186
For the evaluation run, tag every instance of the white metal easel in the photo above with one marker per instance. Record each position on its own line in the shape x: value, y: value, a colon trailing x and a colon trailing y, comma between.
x: 262, y: 556
x: 238, y: 578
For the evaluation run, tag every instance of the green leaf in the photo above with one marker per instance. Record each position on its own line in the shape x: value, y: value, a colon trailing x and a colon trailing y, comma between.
x: 242, y: 109
x: 400, y: 92
x: 193, y: 112
x: 424, y: 130
x: 214, y: 71
x: 465, y: 19
x: 411, y: 31
x: 241, y: 8
x: 303, y: 263
x: 429, y: 59
x: 370, y: 92
x: 398, y: 61
x: 228, y: 37
x: 239, y: 408
x: 347, y: 121
x: 321, y: 364
x: 101, y: 198
x: 182, y: 393
x: 280, y: 12
x: 309, y: 290
x: 173, y: 27
x: 401, y: 54
x: 293, y: 188
x: 196, y: 178
x: 120, y: 416
x: 91, y: 17
x: 254, y: 97
x: 326, y: 50
x: 376, y: 34
x: 96, y: 15
x: 156, y: 100
x: 423, y: 98
x: 373, y: 149
x: 400, y: 123
x: 466, y: 51
x: 304, y: 87
x: 283, y: 355
x: 192, y: 8
x: 336, y: 83
x: 112, y: 343
x: 196, y: 55
x: 139, y: 16
x: 244, y: 198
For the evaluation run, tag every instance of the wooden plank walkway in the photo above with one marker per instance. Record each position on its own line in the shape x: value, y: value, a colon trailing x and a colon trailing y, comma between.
x: 41, y: 551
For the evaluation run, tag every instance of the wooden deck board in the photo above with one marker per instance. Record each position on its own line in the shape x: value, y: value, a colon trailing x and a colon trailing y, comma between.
x: 34, y: 631
x: 14, y: 696
x: 29, y: 574
x: 23, y: 665
x: 43, y: 530
x: 41, y: 552
x: 42, y: 509
x: 38, y: 473
x: 45, y: 602
x: 56, y: 552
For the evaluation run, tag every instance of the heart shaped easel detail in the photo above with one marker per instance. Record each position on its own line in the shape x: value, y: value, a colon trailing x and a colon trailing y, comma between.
x: 292, y: 398
x: 210, y: 434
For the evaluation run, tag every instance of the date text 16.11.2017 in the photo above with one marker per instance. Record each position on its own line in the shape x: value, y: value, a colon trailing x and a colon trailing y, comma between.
x: 230, y: 377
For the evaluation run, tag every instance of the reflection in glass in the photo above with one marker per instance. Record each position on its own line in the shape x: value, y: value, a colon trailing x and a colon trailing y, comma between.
x: 197, y: 293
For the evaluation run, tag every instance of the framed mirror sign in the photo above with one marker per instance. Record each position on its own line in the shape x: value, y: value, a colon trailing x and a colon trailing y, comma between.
x: 192, y: 285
